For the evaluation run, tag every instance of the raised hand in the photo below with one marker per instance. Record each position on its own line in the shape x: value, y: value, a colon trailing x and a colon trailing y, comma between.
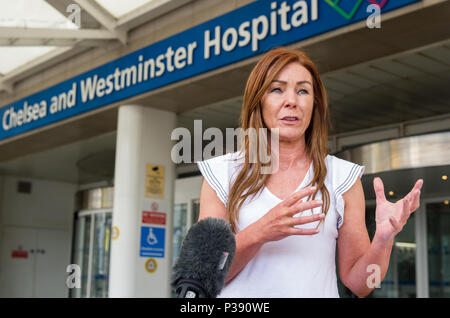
x: 280, y: 221
x: 391, y: 217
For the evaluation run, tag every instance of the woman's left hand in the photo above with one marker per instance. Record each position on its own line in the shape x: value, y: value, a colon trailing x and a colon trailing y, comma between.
x: 391, y: 217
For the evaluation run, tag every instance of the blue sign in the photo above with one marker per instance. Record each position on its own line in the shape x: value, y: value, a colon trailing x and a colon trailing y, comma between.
x: 152, y: 241
x: 234, y: 36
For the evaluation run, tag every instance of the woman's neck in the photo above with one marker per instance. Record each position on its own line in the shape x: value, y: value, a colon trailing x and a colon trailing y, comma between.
x: 291, y: 154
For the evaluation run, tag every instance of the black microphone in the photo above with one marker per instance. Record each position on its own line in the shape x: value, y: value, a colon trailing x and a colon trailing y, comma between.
x: 204, y: 260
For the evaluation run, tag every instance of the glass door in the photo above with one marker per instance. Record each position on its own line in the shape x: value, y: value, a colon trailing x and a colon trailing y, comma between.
x: 91, y: 252
x: 179, y: 228
x: 400, y: 279
x: 438, y: 246
x: 195, y: 210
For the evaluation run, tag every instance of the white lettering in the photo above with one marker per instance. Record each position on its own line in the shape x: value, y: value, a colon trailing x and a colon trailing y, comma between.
x: 169, y: 54
x: 180, y: 57
x: 88, y: 88
x: 150, y: 63
x: 191, y: 48
x: 314, y: 10
x: 72, y: 96
x: 12, y: 118
x: 244, y: 34
x: 128, y: 75
x: 284, y: 9
x: 215, y: 42
x: 160, y: 65
x: 109, y: 84
x: 229, y: 46
x: 300, y: 16
x: 101, y: 84
x: 140, y: 68
x: 273, y: 19
x: 256, y: 35
x: 5, y: 121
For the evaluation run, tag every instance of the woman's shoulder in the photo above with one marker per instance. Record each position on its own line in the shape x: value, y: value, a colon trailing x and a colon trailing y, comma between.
x: 342, y: 173
x: 336, y: 163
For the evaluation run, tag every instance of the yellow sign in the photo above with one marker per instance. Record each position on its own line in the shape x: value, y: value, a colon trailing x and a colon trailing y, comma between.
x: 151, y: 265
x: 115, y: 233
x: 154, y: 182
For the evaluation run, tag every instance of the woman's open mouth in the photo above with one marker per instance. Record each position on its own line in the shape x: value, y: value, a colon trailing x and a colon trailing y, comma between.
x: 290, y: 119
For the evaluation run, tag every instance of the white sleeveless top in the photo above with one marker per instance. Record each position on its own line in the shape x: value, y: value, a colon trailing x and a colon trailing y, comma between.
x: 296, y: 266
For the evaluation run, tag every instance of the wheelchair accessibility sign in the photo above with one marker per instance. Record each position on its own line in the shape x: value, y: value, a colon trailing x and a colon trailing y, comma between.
x: 152, y: 241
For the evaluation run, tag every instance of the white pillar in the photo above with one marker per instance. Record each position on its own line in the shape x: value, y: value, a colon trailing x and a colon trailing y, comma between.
x: 143, y: 142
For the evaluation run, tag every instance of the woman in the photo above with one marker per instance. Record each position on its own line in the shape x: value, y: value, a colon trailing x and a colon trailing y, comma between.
x: 288, y: 222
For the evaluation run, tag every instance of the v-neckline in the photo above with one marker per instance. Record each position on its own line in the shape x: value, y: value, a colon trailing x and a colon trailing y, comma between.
x: 302, y: 184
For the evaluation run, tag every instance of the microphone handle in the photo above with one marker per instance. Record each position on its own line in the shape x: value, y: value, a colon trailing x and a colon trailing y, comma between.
x: 189, y: 288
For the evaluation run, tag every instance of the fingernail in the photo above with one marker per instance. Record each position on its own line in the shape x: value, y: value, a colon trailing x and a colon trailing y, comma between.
x: 322, y: 215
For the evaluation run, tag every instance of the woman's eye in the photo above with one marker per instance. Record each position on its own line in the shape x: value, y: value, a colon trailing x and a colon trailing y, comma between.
x: 275, y: 90
x: 303, y: 91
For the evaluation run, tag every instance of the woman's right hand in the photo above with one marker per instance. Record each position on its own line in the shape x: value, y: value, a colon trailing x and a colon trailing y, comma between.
x: 280, y: 222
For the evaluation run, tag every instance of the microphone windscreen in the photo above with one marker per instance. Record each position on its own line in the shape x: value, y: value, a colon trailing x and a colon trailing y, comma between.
x: 206, y: 255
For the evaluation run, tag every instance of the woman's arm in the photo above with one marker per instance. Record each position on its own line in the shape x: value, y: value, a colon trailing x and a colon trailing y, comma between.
x: 276, y: 224
x: 247, y: 242
x: 357, y: 256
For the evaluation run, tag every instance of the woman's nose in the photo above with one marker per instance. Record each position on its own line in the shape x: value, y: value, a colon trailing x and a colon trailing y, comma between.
x: 291, y: 99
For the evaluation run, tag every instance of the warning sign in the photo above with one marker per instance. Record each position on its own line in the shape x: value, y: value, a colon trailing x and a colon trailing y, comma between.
x: 153, y: 218
x: 151, y: 265
x: 19, y: 253
x: 152, y: 241
x: 154, y: 182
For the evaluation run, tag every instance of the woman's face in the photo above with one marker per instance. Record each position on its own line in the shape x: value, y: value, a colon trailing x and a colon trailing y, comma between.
x: 288, y: 103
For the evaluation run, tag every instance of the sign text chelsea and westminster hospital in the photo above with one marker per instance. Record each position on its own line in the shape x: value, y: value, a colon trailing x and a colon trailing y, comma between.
x: 234, y: 36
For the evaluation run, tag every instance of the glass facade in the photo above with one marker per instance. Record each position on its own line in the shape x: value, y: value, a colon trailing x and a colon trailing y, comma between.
x: 179, y: 228
x: 91, y: 252
x: 438, y: 244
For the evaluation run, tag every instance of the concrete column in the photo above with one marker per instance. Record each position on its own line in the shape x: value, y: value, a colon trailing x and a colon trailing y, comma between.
x: 143, y: 147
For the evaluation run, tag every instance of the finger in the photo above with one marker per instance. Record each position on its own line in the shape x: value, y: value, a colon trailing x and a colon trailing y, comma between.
x: 415, y: 201
x: 379, y: 190
x: 297, y: 231
x: 296, y: 196
x: 417, y: 187
x: 307, y: 219
x: 406, y: 210
x: 304, y: 206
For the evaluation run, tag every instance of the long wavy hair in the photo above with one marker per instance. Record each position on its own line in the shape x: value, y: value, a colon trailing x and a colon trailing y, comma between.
x: 250, y: 180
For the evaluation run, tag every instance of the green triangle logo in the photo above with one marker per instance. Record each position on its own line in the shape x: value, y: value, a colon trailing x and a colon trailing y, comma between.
x: 348, y: 15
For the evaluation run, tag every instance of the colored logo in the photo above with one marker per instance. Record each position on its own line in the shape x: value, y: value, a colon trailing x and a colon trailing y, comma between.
x: 347, y: 13
x: 152, y: 241
x: 115, y: 233
x: 151, y: 265
x: 381, y: 5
